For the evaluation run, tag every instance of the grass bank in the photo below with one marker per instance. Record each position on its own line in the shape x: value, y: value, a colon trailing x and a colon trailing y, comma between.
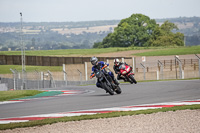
x: 8, y: 95
x: 96, y: 116
x: 67, y: 52
x: 156, y: 51
x: 77, y: 52
x: 172, y: 51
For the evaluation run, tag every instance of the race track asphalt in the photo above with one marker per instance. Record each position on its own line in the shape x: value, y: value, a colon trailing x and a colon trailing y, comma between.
x: 141, y: 93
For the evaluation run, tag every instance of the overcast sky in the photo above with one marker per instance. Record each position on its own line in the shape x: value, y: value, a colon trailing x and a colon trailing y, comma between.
x: 89, y: 10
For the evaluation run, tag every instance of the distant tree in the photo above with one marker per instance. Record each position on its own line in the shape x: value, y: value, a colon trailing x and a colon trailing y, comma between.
x: 135, y: 30
x: 163, y: 36
x: 167, y: 27
x: 140, y: 30
x: 97, y: 45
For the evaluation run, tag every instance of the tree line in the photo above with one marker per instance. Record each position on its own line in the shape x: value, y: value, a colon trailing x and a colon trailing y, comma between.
x: 49, y: 40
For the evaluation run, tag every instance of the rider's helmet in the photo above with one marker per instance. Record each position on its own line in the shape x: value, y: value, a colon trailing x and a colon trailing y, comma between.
x: 93, y: 60
x: 116, y: 62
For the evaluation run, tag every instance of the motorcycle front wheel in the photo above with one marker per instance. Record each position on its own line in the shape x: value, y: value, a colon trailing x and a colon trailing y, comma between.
x: 132, y: 79
x: 118, y: 91
x: 108, y: 89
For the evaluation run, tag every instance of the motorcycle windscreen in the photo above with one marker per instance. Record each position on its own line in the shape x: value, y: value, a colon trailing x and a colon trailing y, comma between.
x: 122, y: 67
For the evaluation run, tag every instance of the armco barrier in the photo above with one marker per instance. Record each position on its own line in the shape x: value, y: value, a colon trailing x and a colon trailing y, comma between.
x: 3, y: 87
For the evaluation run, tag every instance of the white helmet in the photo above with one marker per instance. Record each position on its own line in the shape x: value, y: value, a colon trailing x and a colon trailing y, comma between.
x: 116, y: 62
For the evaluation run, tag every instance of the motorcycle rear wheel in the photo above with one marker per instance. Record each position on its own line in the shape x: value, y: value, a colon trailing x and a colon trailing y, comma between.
x: 108, y: 89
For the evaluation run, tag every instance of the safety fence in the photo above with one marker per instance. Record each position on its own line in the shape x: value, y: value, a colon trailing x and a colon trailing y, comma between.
x: 79, y: 74
x: 38, y: 80
x: 160, y: 69
x: 169, y: 69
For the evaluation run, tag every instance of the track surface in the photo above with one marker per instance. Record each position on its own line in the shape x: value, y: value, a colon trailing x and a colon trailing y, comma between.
x: 142, y: 93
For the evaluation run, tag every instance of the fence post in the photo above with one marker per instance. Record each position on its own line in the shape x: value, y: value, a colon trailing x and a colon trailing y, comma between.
x: 134, y: 64
x: 65, y: 74
x: 86, y: 76
x: 199, y: 63
x: 42, y: 78
x: 17, y: 73
x: 80, y: 76
x: 158, y: 74
x: 122, y: 59
x: 24, y: 84
x: 181, y: 72
x: 52, y: 82
x: 161, y: 65
x: 171, y: 65
x: 38, y: 79
x: 107, y: 61
x: 143, y: 70
x: 13, y: 78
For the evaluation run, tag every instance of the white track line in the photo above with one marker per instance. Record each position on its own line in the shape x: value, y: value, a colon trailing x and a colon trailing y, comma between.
x: 95, y: 111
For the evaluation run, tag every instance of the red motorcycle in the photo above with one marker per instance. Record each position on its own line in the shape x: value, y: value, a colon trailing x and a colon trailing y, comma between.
x: 126, y: 72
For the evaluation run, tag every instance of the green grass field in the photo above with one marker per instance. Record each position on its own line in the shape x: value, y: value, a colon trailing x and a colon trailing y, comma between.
x: 156, y: 51
x: 172, y: 51
x: 67, y: 52
x: 5, y: 69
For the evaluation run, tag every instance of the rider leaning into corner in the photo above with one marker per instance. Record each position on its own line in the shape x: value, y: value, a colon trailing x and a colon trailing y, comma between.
x: 99, y: 65
x: 116, y: 66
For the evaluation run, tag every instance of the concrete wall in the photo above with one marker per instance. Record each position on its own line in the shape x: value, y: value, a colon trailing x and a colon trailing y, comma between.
x: 46, y: 60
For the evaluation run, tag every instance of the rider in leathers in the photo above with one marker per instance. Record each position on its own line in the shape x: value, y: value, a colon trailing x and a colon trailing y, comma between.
x: 97, y: 66
x: 116, y: 66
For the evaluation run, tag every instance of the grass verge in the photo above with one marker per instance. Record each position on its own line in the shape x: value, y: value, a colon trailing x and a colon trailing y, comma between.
x: 96, y: 116
x: 8, y: 95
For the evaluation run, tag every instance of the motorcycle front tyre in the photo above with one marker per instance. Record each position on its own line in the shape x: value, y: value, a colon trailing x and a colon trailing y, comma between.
x: 118, y: 91
x: 108, y: 89
x: 132, y: 79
